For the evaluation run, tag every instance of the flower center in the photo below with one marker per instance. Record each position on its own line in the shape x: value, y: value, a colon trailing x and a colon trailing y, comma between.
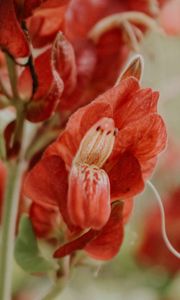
x: 97, y: 144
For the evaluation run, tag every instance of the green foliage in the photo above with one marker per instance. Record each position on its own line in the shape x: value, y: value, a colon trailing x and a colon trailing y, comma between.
x: 27, y: 253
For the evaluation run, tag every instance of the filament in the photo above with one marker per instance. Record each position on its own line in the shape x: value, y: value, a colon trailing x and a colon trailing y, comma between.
x: 163, y: 222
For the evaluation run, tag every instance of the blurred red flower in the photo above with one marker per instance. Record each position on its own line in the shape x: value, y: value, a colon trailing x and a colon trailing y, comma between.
x: 152, y: 250
x: 170, y: 17
x: 105, y: 153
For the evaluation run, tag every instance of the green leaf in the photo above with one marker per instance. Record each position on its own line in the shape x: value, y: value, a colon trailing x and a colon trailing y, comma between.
x: 27, y: 253
x: 2, y: 147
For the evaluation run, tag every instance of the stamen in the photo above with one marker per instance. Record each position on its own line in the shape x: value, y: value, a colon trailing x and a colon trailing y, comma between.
x: 163, y: 222
x: 97, y: 144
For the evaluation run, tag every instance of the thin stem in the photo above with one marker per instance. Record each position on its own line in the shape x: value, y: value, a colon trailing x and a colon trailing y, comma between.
x: 61, y: 282
x: 10, y: 209
x: 56, y: 289
x: 163, y: 222
x: 12, y: 75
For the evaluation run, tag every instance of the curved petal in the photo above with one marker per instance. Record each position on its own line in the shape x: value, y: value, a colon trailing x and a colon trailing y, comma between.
x: 106, y: 245
x: 145, y: 138
x: 12, y: 37
x: 140, y: 104
x: 47, y: 183
x: 119, y: 94
x: 88, y: 197
x: 45, y: 24
x: 148, y: 166
x: 76, y: 244
x: 109, y: 238
x: 50, y: 84
x: 125, y: 177
x: 45, y: 219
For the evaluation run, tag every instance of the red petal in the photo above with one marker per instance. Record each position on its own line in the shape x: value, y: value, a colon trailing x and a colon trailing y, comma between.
x: 148, y: 166
x: 47, y: 183
x: 145, y: 138
x: 45, y: 24
x: 76, y: 244
x: 111, y: 55
x: 78, y: 124
x: 140, y: 104
x: 66, y: 64
x: 88, y: 197
x: 12, y: 38
x: 125, y: 177
x: 45, y: 219
x: 118, y: 95
x: 50, y: 88
x: 106, y: 245
x: 86, y: 61
x: 108, y: 240
x: 87, y: 116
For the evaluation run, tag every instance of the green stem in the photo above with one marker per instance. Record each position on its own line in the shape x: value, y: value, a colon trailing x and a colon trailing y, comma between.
x: 12, y: 76
x: 10, y: 210
x: 56, y: 289
x: 61, y: 282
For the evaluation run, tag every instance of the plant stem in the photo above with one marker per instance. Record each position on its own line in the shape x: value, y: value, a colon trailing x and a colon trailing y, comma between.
x: 10, y: 209
x: 56, y: 289
x: 61, y: 282
x: 12, y: 76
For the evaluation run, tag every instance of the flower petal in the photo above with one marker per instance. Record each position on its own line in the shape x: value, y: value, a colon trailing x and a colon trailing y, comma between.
x: 68, y: 143
x: 45, y: 219
x: 84, y: 118
x: 50, y: 84
x: 106, y: 245
x: 88, y: 196
x: 12, y: 37
x: 145, y: 138
x: 125, y: 177
x: 47, y: 183
x: 109, y: 238
x: 76, y: 244
x: 140, y: 104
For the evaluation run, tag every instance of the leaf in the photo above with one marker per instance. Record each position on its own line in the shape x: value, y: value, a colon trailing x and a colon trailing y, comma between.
x: 27, y: 254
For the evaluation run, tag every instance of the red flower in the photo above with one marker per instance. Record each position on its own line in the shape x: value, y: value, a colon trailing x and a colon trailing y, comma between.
x: 104, y: 154
x: 153, y: 250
